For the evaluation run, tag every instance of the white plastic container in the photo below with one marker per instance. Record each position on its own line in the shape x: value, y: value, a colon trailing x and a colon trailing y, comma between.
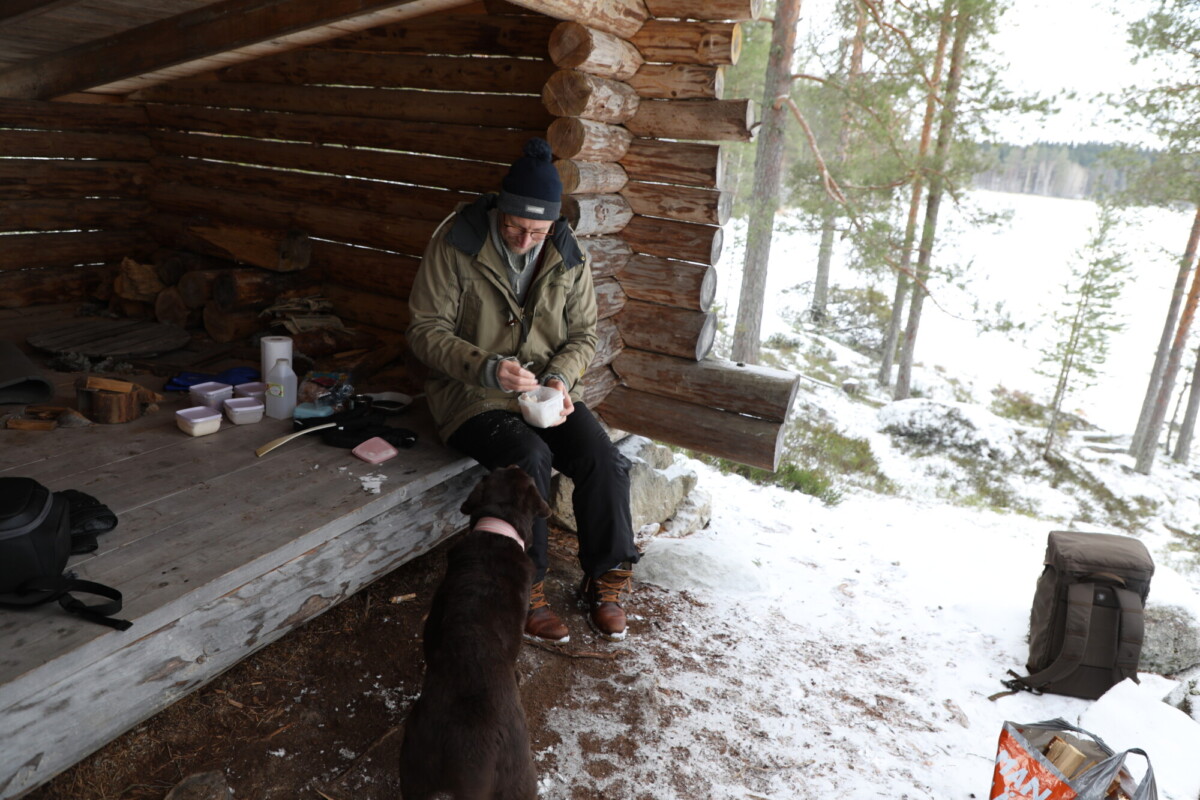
x: 280, y: 398
x: 255, y: 389
x: 542, y: 407
x: 211, y: 394
x: 244, y: 410
x: 198, y: 420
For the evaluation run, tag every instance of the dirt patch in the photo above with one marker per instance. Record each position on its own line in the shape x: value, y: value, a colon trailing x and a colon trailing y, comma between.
x: 320, y: 712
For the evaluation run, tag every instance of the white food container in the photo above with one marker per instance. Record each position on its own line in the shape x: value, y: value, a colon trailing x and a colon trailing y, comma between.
x: 255, y: 389
x: 211, y: 394
x: 542, y: 407
x: 244, y: 410
x: 198, y: 420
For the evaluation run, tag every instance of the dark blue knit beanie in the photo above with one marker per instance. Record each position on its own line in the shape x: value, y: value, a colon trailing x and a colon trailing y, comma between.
x: 532, y: 188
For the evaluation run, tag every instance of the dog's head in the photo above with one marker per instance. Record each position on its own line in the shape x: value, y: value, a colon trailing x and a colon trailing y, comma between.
x: 510, y: 494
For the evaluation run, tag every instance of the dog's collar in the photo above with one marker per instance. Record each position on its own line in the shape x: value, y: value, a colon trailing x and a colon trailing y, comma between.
x: 497, y: 525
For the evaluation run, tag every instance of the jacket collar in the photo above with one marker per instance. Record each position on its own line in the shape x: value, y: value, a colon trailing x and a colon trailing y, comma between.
x: 470, y: 230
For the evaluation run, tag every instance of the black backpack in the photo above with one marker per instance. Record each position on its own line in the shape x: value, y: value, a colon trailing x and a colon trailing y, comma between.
x: 39, y: 531
x: 1086, y: 624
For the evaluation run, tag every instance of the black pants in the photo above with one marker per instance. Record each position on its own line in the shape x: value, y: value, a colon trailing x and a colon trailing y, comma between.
x: 578, y: 448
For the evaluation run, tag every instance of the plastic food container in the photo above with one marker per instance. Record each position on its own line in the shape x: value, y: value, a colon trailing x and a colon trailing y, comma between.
x: 198, y: 420
x: 243, y: 410
x: 255, y: 389
x: 211, y: 394
x: 375, y: 451
x: 542, y: 407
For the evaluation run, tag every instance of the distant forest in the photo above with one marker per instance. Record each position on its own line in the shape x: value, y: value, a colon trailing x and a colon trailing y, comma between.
x: 1050, y: 168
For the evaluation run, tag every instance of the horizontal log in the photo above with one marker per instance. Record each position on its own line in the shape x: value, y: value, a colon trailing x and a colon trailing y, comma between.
x: 58, y: 144
x: 609, y: 254
x: 687, y: 163
x: 597, y: 384
x: 610, y: 297
x: 442, y: 73
x: 60, y: 214
x: 458, y: 141
x: 269, y: 248
x: 170, y: 309
x: 679, y: 82
x: 597, y: 214
x: 738, y: 388
x: 172, y: 265
x: 590, y: 177
x: 35, y: 287
x: 670, y: 283
x: 678, y: 42
x: 422, y: 170
x: 64, y: 116
x: 576, y: 46
x: 711, y: 120
x: 230, y: 326
x: 585, y: 140
x: 572, y: 93
x: 30, y: 250
x: 388, y: 274
x: 685, y: 203
x: 371, y: 308
x: 243, y: 289
x: 33, y: 178
x: 409, y: 105
x: 671, y: 239
x: 608, y: 343
x: 739, y: 10
x: 664, y: 329
x: 746, y: 440
x: 456, y: 34
x: 621, y: 18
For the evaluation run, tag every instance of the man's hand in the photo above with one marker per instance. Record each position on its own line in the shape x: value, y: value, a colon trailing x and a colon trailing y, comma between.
x: 512, y: 377
x: 568, y: 406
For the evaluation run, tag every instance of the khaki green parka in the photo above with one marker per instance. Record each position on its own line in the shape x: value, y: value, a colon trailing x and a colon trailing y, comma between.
x: 463, y: 311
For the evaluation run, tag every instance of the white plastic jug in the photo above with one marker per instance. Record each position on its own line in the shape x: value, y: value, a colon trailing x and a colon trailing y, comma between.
x: 280, y: 397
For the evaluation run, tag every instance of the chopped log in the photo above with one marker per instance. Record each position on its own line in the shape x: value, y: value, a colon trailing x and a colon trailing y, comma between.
x: 670, y: 283
x: 230, y: 326
x: 671, y: 42
x: 273, y: 249
x: 412, y: 105
x: 53, y: 214
x: 456, y: 34
x: 739, y: 388
x: 687, y: 163
x: 596, y: 214
x: 679, y: 202
x: 746, y: 440
x: 327, y: 341
x: 443, y: 73
x: 597, y: 384
x: 176, y: 263
x: 665, y: 329
x: 574, y: 138
x: 30, y: 250
x: 23, y: 424
x: 137, y: 281
x: 105, y: 384
x: 679, y: 82
x: 371, y: 308
x: 609, y: 254
x: 107, y: 408
x: 31, y: 287
x: 705, y: 9
x: 243, y: 289
x: 54, y: 144
x: 576, y: 46
x: 608, y: 343
x: 720, y: 120
x: 619, y: 17
x: 378, y: 271
x: 671, y: 239
x: 610, y: 298
x: 590, y: 177
x: 196, y: 287
x: 571, y: 93
x: 25, y: 178
x: 170, y: 308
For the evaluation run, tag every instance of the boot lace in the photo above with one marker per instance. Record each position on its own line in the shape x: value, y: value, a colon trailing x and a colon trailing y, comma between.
x: 537, y: 596
x: 609, y: 586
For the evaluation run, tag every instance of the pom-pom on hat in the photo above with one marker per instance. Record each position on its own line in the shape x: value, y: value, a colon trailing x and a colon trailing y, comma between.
x: 532, y: 188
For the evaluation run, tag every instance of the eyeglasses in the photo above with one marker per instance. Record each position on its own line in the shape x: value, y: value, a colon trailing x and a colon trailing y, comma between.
x: 537, y: 236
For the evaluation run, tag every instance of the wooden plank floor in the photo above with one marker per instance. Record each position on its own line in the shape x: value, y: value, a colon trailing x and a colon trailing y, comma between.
x: 218, y: 552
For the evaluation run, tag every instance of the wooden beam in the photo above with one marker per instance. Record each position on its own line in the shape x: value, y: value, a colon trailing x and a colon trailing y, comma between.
x: 671, y: 283
x: 63, y: 116
x: 714, y: 43
x: 456, y: 34
x: 679, y: 82
x: 195, y: 34
x: 590, y: 177
x: 708, y: 120
x: 576, y: 46
x: 585, y: 140
x: 673, y: 239
x: 664, y: 329
x: 597, y: 214
x: 686, y: 203
x: 14, y: 11
x: 705, y: 9
x: 573, y: 93
x: 619, y: 17
x: 688, y: 163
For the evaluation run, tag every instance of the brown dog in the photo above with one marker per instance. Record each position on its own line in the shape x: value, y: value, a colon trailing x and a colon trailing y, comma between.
x: 466, y: 736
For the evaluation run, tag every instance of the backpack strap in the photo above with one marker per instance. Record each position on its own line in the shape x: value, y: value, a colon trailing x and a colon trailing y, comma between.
x: 1075, y: 637
x: 44, y: 589
x: 1129, y: 641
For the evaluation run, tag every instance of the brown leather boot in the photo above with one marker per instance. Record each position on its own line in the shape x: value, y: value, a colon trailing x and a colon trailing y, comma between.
x: 602, y: 597
x: 541, y: 623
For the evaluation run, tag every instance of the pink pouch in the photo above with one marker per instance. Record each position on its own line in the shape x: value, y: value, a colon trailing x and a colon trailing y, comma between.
x: 375, y: 451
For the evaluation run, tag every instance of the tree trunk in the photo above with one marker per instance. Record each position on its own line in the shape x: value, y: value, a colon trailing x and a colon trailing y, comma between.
x: 768, y: 169
x: 1187, y: 429
x: 937, y: 185
x: 820, y: 298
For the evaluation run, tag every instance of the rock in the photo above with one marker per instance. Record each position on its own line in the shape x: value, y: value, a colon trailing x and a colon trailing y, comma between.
x: 202, y: 786
x: 693, y: 514
x: 658, y: 485
x: 1171, y: 644
x: 1186, y: 696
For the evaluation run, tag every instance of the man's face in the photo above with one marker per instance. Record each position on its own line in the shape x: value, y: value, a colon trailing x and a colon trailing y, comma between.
x: 521, y: 234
